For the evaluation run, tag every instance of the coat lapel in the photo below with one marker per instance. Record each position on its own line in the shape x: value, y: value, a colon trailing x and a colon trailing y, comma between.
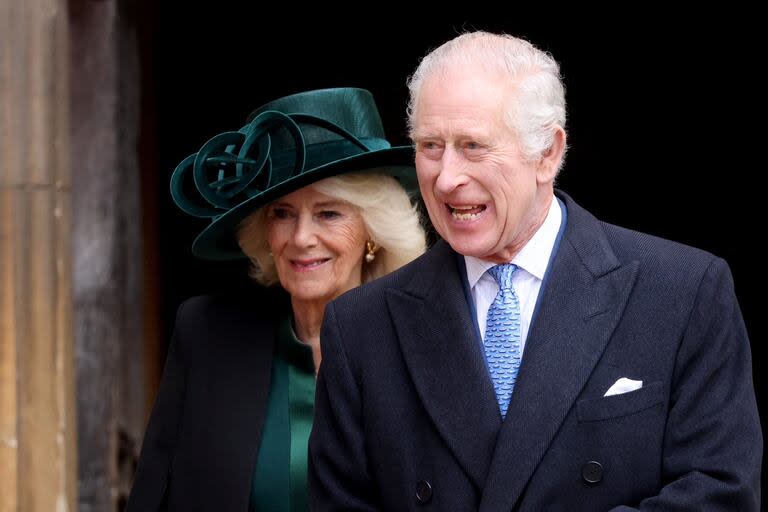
x: 444, y: 358
x: 227, y: 408
x: 584, y: 298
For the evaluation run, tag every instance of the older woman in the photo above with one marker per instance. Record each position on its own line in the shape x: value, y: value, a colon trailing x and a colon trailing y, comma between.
x: 311, y: 192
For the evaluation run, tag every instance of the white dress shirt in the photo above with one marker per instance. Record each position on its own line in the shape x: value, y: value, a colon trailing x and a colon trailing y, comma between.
x: 532, y: 262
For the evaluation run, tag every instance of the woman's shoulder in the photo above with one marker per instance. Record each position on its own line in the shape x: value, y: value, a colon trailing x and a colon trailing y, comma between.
x: 230, y: 310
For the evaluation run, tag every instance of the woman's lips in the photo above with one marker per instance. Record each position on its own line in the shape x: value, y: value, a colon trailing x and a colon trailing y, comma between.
x: 308, y: 265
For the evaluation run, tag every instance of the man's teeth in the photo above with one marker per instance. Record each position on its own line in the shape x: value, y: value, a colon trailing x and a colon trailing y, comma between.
x: 466, y: 212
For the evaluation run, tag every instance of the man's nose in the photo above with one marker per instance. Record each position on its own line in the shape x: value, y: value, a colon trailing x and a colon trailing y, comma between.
x: 452, y: 171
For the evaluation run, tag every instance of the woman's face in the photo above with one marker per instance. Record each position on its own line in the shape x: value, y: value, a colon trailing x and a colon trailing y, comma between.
x: 317, y: 243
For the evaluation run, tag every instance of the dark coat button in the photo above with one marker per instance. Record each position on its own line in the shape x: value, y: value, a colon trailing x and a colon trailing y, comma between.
x: 592, y: 472
x: 423, y: 491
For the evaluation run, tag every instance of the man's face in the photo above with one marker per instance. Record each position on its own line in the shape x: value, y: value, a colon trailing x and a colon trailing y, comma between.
x: 484, y: 198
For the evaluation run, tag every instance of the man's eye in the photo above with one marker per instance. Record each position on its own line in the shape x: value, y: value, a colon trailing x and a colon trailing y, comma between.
x: 473, y: 146
x: 430, y: 148
x: 474, y: 150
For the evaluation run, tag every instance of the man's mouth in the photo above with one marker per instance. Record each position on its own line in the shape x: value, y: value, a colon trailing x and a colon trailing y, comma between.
x: 465, y: 212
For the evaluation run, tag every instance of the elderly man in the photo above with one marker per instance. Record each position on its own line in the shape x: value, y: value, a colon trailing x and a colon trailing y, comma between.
x: 537, y: 358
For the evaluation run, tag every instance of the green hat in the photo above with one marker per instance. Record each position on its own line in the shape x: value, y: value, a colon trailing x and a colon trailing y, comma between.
x: 287, y: 144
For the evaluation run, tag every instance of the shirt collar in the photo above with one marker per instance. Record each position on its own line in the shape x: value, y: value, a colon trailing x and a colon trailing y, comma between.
x: 534, y: 255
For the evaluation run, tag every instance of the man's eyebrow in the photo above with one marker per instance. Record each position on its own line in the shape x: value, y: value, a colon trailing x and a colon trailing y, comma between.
x: 423, y: 134
x: 476, y: 135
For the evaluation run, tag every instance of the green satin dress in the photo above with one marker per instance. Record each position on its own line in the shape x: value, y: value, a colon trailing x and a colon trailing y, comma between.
x: 280, y: 480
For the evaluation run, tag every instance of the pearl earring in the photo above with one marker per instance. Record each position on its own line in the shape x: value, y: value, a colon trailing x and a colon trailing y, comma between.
x: 370, y: 251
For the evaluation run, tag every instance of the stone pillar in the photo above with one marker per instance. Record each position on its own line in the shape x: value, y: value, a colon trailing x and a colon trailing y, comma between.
x: 37, y: 411
x: 107, y: 220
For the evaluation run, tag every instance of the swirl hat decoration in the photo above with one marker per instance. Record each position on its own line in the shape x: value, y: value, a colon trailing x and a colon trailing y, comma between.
x: 287, y: 144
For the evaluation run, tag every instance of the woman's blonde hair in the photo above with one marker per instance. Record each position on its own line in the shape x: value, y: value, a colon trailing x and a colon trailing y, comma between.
x: 391, y: 220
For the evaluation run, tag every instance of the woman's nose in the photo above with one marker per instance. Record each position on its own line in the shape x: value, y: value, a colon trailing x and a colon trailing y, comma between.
x: 305, y: 232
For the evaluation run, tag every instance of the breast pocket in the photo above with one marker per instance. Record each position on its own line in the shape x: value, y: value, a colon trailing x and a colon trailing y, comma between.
x: 616, y: 406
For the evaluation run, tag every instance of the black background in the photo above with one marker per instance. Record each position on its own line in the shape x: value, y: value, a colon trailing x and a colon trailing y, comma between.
x: 665, y: 113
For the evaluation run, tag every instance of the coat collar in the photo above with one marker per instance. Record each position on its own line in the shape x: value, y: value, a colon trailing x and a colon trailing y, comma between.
x: 445, y: 360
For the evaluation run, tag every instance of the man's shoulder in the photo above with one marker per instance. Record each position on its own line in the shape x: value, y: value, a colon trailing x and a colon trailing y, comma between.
x: 632, y: 245
x: 646, y: 247
x: 372, y: 295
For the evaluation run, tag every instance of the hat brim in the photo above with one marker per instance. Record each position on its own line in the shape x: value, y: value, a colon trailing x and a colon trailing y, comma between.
x: 218, y: 240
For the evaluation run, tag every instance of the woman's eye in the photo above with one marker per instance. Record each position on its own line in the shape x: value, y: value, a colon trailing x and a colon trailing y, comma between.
x: 329, y: 214
x: 279, y: 213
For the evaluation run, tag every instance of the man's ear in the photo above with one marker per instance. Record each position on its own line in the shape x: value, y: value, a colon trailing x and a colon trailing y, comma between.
x: 551, y: 158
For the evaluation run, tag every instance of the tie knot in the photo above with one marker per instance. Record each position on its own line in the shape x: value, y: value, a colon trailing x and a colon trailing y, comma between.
x: 503, y: 274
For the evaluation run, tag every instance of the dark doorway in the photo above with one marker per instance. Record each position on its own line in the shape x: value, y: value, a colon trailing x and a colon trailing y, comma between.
x: 662, y: 113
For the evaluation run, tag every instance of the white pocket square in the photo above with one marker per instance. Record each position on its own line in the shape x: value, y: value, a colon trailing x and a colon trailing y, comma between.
x: 623, y: 385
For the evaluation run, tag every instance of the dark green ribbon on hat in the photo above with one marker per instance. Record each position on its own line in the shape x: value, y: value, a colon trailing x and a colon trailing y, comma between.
x: 235, y: 166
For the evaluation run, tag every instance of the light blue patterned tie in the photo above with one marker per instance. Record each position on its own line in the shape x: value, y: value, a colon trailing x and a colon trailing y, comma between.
x: 502, y: 336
